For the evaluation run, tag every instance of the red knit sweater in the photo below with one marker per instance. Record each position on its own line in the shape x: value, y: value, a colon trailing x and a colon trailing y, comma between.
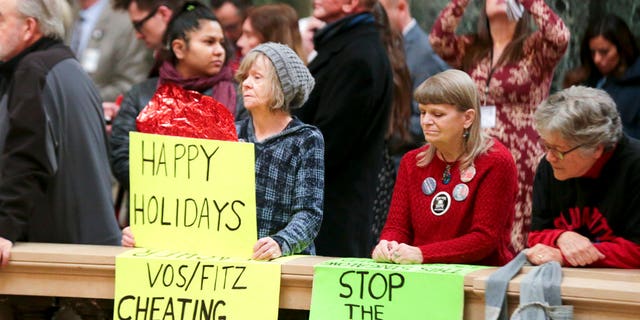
x: 475, y: 230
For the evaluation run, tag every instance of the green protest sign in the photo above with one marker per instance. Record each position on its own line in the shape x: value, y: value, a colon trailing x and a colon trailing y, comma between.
x: 361, y: 289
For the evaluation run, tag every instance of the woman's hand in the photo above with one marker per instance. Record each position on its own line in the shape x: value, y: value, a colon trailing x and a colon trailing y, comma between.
x: 127, y: 238
x: 266, y: 249
x: 5, y: 251
x: 110, y: 110
x: 577, y: 249
x: 541, y: 254
x: 382, y: 252
x: 406, y: 254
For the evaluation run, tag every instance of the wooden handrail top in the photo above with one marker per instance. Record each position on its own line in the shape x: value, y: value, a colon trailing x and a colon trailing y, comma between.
x: 88, y: 271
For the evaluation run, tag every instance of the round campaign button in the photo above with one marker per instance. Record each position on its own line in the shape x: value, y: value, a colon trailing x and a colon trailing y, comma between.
x: 468, y: 174
x: 440, y: 203
x: 429, y: 186
x: 460, y: 192
x: 97, y: 34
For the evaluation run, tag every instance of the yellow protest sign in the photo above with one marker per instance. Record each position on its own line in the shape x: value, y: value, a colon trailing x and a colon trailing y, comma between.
x: 162, y: 284
x: 192, y: 195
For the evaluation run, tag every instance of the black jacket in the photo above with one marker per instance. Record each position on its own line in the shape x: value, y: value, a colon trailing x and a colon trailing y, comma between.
x: 55, y: 183
x: 133, y: 102
x: 605, y: 209
x: 350, y: 104
x: 625, y: 91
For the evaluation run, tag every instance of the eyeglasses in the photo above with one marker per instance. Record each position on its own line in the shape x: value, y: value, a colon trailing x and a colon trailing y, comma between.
x: 557, y: 153
x: 140, y: 23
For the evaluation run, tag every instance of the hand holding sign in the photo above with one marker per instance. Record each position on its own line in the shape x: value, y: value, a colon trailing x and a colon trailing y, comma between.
x: 5, y: 251
x: 266, y: 249
x: 127, y: 238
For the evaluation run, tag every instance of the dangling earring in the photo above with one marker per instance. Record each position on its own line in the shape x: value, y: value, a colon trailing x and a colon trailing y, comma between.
x: 465, y: 134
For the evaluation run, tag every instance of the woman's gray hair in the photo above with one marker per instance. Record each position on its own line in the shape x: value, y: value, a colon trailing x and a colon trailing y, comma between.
x: 49, y: 14
x: 582, y: 116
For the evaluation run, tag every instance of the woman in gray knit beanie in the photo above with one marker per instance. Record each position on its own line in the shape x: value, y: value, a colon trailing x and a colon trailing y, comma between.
x: 289, y: 154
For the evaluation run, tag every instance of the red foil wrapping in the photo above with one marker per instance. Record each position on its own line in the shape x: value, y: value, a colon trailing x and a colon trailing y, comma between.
x: 174, y: 111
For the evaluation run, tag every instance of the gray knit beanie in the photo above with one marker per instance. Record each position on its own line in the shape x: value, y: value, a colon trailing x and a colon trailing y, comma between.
x: 296, y: 80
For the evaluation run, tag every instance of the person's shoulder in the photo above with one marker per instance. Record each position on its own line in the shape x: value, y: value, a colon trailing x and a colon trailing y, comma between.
x: 359, y: 49
x: 140, y: 94
x: 364, y: 56
x: 497, y: 154
x: 312, y: 132
x: 150, y: 82
x: 411, y: 157
x: 624, y: 164
x: 145, y: 86
x: 361, y: 38
x: 242, y: 129
x: 631, y: 76
x: 307, y: 131
x: 630, y: 151
x: 497, y: 149
x: 43, y: 60
x: 416, y: 32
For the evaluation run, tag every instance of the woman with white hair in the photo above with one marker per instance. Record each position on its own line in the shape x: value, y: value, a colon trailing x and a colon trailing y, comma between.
x: 586, y: 194
x: 454, y: 198
x: 289, y: 154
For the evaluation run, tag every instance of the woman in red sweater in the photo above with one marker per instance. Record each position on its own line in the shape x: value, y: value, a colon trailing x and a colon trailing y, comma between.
x: 454, y: 198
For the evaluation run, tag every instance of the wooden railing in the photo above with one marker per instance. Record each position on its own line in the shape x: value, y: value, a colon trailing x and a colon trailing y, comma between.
x: 84, y: 271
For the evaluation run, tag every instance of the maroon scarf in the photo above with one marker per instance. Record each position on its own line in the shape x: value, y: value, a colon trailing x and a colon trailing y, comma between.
x: 222, y: 83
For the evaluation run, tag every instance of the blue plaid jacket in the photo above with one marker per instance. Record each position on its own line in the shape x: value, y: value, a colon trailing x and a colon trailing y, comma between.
x: 289, y: 184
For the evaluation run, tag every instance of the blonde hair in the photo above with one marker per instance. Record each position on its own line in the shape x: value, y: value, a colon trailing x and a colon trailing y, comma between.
x: 454, y: 87
x: 275, y: 91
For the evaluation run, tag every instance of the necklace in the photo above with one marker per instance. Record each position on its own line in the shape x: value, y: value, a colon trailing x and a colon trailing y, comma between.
x: 446, y: 175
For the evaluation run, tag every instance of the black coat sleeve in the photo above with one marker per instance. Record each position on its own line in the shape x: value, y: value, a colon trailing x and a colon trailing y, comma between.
x: 133, y: 102
x: 28, y: 162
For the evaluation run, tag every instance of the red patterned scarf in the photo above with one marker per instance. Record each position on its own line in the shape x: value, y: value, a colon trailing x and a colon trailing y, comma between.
x: 224, y: 90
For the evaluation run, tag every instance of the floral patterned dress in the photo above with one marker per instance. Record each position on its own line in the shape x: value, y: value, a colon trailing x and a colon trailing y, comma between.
x: 515, y: 88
